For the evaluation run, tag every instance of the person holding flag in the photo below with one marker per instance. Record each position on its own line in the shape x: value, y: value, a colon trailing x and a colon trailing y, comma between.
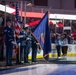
x: 24, y: 39
x: 19, y: 32
x: 21, y: 45
x: 35, y: 46
x: 28, y: 41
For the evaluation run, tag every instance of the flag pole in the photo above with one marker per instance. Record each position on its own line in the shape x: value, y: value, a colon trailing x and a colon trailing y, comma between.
x: 71, y: 26
x: 49, y: 28
x: 21, y: 9
x: 63, y: 24
x: 5, y: 13
x: 15, y: 38
x: 19, y: 43
x: 25, y: 13
x: 55, y: 24
x: 24, y: 20
x: 48, y: 16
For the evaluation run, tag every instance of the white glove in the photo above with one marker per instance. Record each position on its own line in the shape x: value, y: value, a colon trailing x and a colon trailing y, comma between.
x: 39, y: 51
x: 20, y: 36
x: 13, y: 42
x: 28, y: 38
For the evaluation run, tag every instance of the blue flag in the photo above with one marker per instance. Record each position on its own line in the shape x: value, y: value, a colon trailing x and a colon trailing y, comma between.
x: 42, y: 34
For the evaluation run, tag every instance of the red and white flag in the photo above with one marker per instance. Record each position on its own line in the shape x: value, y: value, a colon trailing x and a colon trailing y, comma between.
x: 17, y: 21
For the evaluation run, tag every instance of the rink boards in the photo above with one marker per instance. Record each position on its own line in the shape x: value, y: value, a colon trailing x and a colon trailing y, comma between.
x: 53, y: 53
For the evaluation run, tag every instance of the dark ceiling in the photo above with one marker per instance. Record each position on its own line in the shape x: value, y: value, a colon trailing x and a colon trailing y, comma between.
x: 14, y: 0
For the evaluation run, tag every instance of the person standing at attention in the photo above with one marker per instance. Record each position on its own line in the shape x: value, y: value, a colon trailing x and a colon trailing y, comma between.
x: 9, y: 38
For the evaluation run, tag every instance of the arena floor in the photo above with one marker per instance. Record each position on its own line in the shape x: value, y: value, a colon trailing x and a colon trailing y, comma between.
x: 55, y: 67
x: 42, y: 69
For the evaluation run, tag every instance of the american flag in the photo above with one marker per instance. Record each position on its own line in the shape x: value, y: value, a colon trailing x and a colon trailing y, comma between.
x: 17, y: 21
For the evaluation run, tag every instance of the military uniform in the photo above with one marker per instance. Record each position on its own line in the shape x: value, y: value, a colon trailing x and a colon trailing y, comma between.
x: 34, y: 49
x: 28, y: 46
x: 1, y: 42
x: 20, y: 40
x: 25, y: 43
x: 9, y: 37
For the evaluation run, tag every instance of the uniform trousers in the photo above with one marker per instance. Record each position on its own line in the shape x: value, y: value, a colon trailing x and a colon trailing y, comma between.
x: 9, y: 52
x: 27, y: 50
x: 64, y: 50
x: 34, y: 53
x: 20, y: 54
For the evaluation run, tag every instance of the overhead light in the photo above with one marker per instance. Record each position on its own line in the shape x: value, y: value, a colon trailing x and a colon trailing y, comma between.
x: 8, y: 9
x: 62, y: 16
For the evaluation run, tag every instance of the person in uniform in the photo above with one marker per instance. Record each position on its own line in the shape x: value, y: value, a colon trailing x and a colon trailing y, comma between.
x: 34, y: 49
x: 21, y: 45
x: 9, y: 38
x: 24, y: 39
x: 28, y: 43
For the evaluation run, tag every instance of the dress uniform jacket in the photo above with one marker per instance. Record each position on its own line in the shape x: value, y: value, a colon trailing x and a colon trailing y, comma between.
x: 28, y: 46
x: 20, y: 40
x: 9, y: 37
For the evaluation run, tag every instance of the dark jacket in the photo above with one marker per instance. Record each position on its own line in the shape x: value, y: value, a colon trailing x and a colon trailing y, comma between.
x: 9, y: 35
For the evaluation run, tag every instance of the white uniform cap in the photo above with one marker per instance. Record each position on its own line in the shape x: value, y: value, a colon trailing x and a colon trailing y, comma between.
x: 26, y: 25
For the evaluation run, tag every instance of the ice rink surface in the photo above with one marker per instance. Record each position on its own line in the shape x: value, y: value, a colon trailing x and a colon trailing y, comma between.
x: 42, y: 69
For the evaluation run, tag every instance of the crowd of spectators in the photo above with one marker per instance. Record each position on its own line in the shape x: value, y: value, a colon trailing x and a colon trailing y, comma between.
x: 53, y: 28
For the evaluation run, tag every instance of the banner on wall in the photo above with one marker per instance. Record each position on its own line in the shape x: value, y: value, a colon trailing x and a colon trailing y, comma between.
x: 71, y: 50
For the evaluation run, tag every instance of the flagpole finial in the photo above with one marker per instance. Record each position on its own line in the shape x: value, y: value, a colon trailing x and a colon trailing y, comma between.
x: 48, y: 16
x: 48, y: 11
